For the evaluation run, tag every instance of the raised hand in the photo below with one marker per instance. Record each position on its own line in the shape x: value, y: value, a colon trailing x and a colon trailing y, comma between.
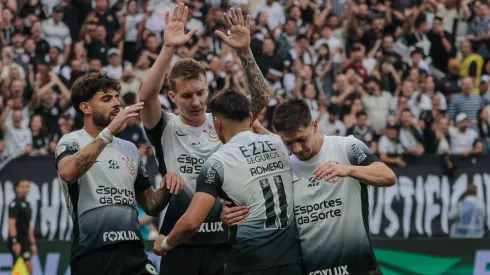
x: 172, y: 182
x: 239, y: 38
x: 174, y: 32
x: 121, y: 120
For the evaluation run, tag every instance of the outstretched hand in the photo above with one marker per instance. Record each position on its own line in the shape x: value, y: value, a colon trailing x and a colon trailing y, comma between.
x: 239, y: 28
x: 174, y: 32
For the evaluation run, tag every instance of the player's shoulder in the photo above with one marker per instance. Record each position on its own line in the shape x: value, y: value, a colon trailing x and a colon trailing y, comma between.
x: 72, y: 136
x: 125, y: 144
x: 14, y: 203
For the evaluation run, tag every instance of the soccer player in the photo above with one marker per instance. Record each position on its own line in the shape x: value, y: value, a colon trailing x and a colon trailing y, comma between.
x: 250, y: 170
x: 183, y: 143
x: 102, y: 178
x: 22, y: 243
x: 330, y: 194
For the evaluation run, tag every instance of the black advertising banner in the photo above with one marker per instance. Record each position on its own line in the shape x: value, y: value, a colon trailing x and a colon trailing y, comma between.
x: 417, y: 206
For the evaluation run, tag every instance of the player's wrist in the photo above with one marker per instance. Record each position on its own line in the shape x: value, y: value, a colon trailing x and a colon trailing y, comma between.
x: 165, y: 246
x: 106, y: 135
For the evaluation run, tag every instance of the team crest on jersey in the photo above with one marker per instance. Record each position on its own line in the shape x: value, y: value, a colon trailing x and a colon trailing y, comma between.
x: 129, y: 165
x: 211, y: 132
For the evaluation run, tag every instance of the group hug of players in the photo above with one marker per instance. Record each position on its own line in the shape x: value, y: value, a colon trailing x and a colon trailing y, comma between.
x: 289, y: 204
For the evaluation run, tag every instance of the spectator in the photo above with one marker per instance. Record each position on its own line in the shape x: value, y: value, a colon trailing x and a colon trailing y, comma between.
x: 18, y: 138
x: 114, y: 69
x: 130, y: 21
x: 465, y: 102
x: 363, y: 132
x: 377, y: 103
x: 471, y: 64
x: 275, y: 12
x: 57, y: 33
x: 483, y: 127
x: 329, y: 124
x: 464, y: 140
x: 389, y: 147
x: 468, y: 215
x: 40, y: 139
x: 42, y: 46
x: 411, y: 137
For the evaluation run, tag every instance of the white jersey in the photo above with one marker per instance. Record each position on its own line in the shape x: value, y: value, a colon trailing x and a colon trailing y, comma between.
x: 254, y: 171
x: 102, y: 202
x: 183, y: 149
x: 332, y: 217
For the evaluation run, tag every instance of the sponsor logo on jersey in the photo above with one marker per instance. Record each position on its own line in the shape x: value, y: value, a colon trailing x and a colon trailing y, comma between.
x: 326, y: 209
x: 312, y: 182
x: 129, y: 165
x: 259, y: 170
x: 114, y: 236
x: 209, y: 227
x: 181, y: 134
x: 360, y: 155
x: 61, y: 149
x: 143, y: 169
x: 113, y: 164
x: 211, y: 132
x: 340, y: 270
x: 189, y: 165
x: 113, y: 195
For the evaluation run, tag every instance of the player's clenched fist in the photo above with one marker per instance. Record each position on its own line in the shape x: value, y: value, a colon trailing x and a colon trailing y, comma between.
x: 121, y: 120
x: 233, y: 215
x: 157, y: 245
x: 329, y: 170
x: 172, y: 182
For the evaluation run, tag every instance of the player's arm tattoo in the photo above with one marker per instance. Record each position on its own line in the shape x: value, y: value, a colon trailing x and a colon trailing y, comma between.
x: 257, y: 86
x: 156, y: 201
x: 77, y: 165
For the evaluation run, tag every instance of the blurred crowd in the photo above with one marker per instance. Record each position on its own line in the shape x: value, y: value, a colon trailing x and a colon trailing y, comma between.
x: 407, y: 77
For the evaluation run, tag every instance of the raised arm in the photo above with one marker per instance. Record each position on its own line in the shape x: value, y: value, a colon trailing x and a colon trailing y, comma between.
x: 174, y: 36
x: 72, y: 163
x: 208, y: 185
x: 239, y: 40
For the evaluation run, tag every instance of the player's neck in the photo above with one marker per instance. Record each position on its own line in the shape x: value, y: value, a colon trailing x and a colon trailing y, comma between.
x: 193, y: 122
x: 230, y: 131
x: 318, y: 145
x: 91, y: 128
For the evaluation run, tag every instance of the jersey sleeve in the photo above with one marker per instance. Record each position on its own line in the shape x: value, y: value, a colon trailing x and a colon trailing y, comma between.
x: 142, y: 180
x: 13, y: 209
x: 67, y: 146
x: 210, y: 179
x: 155, y: 134
x: 358, y: 153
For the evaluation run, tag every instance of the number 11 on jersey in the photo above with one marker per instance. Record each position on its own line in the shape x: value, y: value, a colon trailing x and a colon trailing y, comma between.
x: 271, y: 196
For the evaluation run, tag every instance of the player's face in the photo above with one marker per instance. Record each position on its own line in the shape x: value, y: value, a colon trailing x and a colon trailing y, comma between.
x: 22, y: 189
x: 190, y: 98
x: 301, y: 142
x: 105, y: 106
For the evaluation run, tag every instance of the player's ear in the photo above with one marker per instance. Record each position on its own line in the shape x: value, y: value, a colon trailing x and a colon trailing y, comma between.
x: 250, y: 118
x: 217, y: 123
x: 314, y: 124
x: 171, y: 95
x: 85, y: 108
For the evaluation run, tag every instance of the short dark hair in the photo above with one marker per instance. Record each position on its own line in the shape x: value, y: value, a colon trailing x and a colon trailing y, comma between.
x: 290, y: 115
x: 85, y: 87
x: 361, y: 113
x: 230, y: 104
x: 334, y: 109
